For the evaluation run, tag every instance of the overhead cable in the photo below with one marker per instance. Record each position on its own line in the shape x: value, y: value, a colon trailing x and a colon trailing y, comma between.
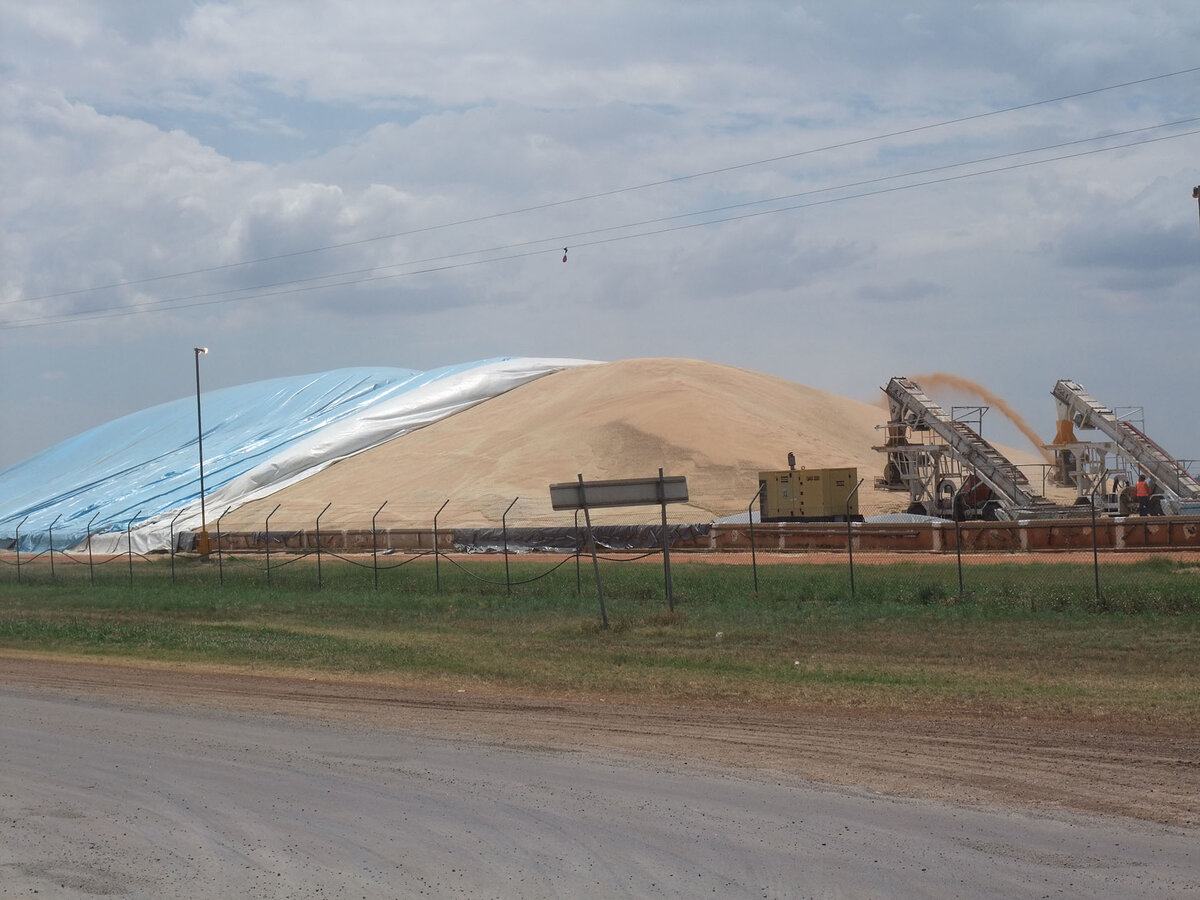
x: 594, y: 231
x: 613, y: 192
x: 159, y: 306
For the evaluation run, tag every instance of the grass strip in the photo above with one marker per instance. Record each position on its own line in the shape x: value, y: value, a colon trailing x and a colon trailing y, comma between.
x: 894, y: 646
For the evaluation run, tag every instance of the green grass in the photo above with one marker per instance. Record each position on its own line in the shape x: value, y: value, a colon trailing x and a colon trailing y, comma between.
x: 1029, y: 639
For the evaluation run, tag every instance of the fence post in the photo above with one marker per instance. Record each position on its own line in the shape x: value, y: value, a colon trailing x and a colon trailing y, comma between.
x: 578, y: 553
x: 91, y: 568
x: 958, y: 536
x: 753, y: 550
x: 18, y: 546
x: 1095, y: 543
x: 129, y: 543
x: 173, y: 521
x: 587, y: 519
x: 375, y: 544
x: 504, y: 534
x: 437, y: 570
x: 220, y: 563
x: 320, y: 582
x: 666, y: 542
x: 56, y: 518
x: 267, y: 540
x: 850, y: 536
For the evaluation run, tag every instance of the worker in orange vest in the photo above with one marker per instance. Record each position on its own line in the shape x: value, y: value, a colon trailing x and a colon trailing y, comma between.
x: 1141, y: 491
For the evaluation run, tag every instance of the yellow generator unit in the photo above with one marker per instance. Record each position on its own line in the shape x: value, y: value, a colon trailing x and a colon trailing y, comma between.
x: 808, y: 495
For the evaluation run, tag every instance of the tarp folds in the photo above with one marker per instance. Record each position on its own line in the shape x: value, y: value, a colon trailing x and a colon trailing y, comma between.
x: 258, y: 438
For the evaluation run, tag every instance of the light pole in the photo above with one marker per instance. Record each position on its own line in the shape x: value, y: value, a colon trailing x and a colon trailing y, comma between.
x: 203, y: 544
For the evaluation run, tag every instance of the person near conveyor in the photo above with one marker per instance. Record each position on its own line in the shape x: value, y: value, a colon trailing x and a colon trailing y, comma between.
x: 1142, y: 493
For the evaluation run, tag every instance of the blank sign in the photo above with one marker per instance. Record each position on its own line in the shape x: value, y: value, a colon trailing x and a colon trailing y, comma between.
x: 619, y: 492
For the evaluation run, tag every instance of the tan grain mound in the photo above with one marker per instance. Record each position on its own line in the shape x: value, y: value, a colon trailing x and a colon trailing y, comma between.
x: 717, y: 425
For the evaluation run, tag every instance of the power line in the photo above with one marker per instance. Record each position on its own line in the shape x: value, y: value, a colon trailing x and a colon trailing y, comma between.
x: 574, y: 236
x: 614, y: 192
x: 157, y: 306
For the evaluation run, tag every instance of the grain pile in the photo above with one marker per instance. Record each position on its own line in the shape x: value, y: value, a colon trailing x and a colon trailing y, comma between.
x: 717, y: 425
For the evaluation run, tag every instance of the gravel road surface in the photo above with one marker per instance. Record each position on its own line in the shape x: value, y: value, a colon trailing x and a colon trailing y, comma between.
x: 99, y: 796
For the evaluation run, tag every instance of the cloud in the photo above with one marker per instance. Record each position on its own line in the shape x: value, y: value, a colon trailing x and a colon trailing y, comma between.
x: 99, y: 199
x: 1153, y: 247
x: 899, y: 292
x: 146, y: 140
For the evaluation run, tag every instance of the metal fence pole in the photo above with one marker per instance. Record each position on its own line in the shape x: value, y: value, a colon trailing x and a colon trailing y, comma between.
x: 17, y: 544
x: 91, y: 568
x: 1095, y: 543
x: 129, y: 543
x: 750, y: 517
x: 220, y: 563
x: 172, y: 527
x: 267, y: 540
x: 957, y: 536
x: 850, y: 536
x: 320, y: 582
x: 437, y: 570
x: 375, y: 544
x: 56, y: 518
x: 504, y: 534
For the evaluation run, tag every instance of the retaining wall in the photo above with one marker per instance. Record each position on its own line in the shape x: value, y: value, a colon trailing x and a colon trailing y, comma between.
x: 1131, y: 533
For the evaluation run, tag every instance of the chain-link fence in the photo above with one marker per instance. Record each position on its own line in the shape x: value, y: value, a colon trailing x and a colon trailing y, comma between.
x: 1097, y: 562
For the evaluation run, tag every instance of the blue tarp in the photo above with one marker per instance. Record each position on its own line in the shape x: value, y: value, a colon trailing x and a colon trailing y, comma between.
x: 257, y: 437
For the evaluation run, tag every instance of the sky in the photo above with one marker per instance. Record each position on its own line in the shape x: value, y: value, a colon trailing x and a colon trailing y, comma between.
x: 833, y: 193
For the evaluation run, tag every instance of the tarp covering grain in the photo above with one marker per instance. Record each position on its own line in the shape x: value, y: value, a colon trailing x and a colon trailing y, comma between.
x: 143, y: 469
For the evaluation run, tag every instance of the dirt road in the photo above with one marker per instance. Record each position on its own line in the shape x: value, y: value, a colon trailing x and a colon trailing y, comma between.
x: 1154, y: 776
x: 170, y: 782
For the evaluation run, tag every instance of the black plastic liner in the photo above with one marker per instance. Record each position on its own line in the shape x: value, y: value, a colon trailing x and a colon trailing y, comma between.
x: 568, y: 540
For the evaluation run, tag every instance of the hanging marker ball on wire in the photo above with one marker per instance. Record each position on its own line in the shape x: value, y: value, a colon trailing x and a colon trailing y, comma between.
x: 564, y: 254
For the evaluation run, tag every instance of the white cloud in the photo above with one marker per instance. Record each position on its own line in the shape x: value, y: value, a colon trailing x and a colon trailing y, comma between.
x: 143, y: 140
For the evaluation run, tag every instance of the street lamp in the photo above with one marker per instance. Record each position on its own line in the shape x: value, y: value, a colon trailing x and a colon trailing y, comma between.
x: 203, y: 544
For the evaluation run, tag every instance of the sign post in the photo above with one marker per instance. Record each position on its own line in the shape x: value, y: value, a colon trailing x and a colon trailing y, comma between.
x: 587, y: 522
x: 662, y: 498
x: 587, y: 496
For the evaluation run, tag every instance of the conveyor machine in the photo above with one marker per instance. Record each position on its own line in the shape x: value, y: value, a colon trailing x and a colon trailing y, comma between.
x: 948, y: 470
x: 1103, y: 470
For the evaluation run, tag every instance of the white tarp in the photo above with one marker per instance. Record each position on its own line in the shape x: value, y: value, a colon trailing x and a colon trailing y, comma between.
x: 143, y: 470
